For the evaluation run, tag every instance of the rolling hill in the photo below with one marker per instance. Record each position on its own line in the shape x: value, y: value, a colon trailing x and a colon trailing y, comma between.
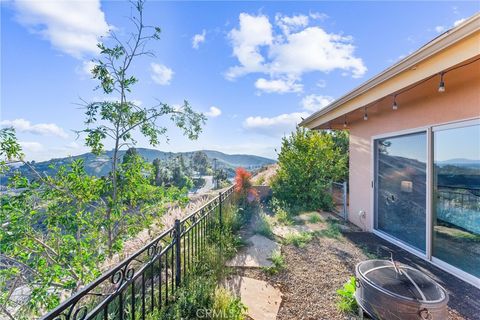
x: 100, y: 166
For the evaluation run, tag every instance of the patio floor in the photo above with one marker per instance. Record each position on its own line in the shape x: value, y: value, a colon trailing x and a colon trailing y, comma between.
x: 313, y: 274
x: 464, y: 298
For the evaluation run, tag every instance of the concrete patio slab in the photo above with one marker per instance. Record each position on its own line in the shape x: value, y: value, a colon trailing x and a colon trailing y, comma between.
x: 257, y: 254
x: 262, y: 299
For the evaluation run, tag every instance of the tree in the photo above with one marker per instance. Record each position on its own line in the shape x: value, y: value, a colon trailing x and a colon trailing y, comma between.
x: 221, y: 175
x: 308, y: 162
x: 57, y: 230
x: 116, y: 120
x: 130, y: 155
x: 179, y: 178
x: 172, y: 174
x: 49, y: 230
x: 200, y: 162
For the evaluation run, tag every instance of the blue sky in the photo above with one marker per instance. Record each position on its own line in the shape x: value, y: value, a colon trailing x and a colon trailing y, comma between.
x: 254, y: 68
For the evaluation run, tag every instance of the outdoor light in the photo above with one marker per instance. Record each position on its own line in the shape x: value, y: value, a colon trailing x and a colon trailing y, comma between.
x: 441, y: 86
x: 395, y: 105
x: 345, y: 122
x: 365, y: 116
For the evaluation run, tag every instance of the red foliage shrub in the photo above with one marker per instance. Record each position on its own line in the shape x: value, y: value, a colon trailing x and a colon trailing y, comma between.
x: 243, y: 186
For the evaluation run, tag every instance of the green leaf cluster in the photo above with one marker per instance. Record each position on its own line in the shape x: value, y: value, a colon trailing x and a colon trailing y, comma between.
x: 346, y: 297
x: 308, y: 162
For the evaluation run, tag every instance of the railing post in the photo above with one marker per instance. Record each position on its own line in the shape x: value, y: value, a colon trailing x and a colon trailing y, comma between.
x: 220, y: 210
x: 345, y: 191
x: 178, y: 243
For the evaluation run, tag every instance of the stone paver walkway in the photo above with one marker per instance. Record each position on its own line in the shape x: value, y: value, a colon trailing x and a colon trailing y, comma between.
x: 262, y: 299
x: 256, y: 255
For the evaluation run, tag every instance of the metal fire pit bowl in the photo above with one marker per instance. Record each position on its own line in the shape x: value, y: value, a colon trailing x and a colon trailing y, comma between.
x: 389, y: 290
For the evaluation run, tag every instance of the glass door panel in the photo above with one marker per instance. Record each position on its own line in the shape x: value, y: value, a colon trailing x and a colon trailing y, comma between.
x: 456, y: 199
x: 400, y: 193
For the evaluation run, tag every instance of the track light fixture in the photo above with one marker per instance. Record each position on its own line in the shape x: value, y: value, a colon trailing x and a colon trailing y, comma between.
x: 441, y: 85
x: 441, y: 88
x: 395, y: 105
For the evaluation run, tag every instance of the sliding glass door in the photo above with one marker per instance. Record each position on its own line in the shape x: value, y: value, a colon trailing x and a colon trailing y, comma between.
x: 400, y: 188
x: 456, y: 197
x: 438, y: 169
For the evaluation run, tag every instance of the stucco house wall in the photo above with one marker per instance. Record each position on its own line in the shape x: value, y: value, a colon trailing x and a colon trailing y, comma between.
x: 420, y: 107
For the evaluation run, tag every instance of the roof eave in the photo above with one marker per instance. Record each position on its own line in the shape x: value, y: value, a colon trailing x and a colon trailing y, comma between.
x: 438, y: 44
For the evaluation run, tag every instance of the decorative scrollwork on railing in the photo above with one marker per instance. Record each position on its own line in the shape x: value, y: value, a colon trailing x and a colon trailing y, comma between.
x: 117, y: 277
x: 129, y: 274
x: 80, y: 313
x: 152, y: 251
x: 95, y: 298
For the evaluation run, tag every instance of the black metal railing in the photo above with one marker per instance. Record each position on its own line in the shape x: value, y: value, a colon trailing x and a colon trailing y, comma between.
x: 148, y: 279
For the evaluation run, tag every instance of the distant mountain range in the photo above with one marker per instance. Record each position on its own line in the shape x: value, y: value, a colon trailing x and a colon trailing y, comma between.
x: 100, y: 165
x: 461, y: 162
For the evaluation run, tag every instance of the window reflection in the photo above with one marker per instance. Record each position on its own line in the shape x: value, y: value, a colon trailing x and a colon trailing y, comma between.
x: 401, y: 188
x: 456, y: 201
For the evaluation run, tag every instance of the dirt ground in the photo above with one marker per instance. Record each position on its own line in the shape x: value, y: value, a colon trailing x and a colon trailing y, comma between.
x: 314, y: 273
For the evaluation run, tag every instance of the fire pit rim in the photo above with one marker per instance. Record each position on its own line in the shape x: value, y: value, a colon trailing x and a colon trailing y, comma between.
x: 393, y: 294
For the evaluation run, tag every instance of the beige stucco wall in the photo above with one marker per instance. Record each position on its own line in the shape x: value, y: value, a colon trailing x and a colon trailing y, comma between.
x: 419, y: 107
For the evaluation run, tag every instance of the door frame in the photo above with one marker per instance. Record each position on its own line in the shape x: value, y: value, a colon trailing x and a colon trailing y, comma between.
x: 427, y: 255
x: 383, y: 234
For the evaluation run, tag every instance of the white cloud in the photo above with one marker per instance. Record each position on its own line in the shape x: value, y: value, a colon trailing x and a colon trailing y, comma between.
x: 282, y: 124
x: 289, y: 51
x: 86, y: 68
x: 29, y: 147
x: 274, y: 126
x: 318, y: 16
x: 313, y: 49
x: 278, y: 85
x: 198, y: 38
x: 22, y: 125
x: 314, y: 102
x: 459, y: 21
x: 73, y: 27
x: 213, y: 112
x: 254, y: 32
x: 161, y: 74
x: 440, y: 29
x: 293, y: 23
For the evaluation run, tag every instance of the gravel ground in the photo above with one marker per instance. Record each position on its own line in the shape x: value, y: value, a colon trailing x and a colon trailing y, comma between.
x: 315, y: 272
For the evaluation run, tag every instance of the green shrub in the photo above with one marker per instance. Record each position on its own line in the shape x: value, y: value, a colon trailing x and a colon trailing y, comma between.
x: 308, y: 161
x: 263, y: 227
x: 282, y: 215
x: 199, y: 297
x: 332, y: 231
x: 346, y: 302
x: 299, y: 240
x: 226, y: 306
x: 199, y: 292
x: 314, y: 218
x: 278, y: 263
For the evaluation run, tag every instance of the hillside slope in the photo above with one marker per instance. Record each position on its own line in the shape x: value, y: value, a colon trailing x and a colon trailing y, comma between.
x: 100, y: 165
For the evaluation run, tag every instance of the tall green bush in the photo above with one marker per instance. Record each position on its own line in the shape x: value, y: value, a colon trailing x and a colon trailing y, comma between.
x: 308, y: 162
